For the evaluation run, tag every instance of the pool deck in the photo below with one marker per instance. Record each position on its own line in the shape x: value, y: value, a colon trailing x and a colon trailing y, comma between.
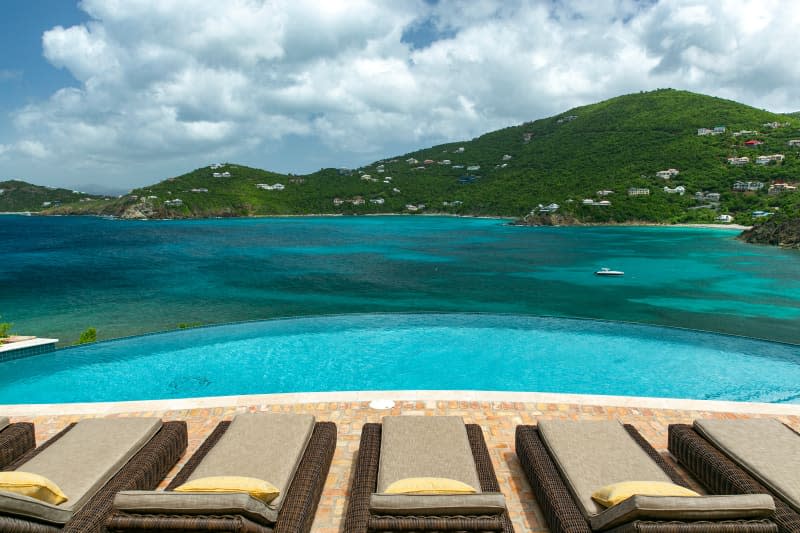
x: 497, y: 412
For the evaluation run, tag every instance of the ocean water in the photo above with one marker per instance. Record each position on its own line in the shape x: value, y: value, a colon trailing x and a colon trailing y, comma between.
x: 59, y: 276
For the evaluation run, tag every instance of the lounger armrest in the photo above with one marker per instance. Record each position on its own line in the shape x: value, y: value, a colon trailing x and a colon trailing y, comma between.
x: 483, y: 504
x: 677, y: 508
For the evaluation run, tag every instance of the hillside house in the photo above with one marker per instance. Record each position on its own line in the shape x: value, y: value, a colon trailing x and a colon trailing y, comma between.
x: 338, y: 201
x: 773, y: 125
x: 474, y: 167
x: 507, y: 157
x: 753, y: 142
x: 428, y: 162
x: 564, y: 120
x: 225, y: 174
x: 412, y: 161
x: 549, y: 208
x: 767, y: 159
x: 396, y: 190
x: 745, y: 132
x: 454, y: 203
x: 778, y: 188
x: 202, y: 189
x: 707, y: 197
x: 748, y: 186
x: 411, y: 207
x: 738, y: 161
x: 717, y: 130
x: 726, y: 219
x: 526, y: 137
x: 445, y: 162
x: 366, y: 177
x: 760, y: 214
x: 215, y: 166
x: 680, y: 190
x: 47, y: 204
x: 638, y: 191
x: 795, y: 143
x: 667, y: 174
x: 604, y: 193
x: 357, y: 200
x: 177, y: 202
x: 459, y: 150
x: 377, y: 201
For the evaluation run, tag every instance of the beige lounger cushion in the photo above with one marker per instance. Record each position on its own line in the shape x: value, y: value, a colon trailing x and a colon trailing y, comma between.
x: 81, y: 462
x: 4, y: 422
x: 593, y: 454
x: 738, y: 507
x: 19, y: 505
x: 425, y: 446
x: 229, y: 503
x: 486, y: 503
x: 764, y: 447
x: 266, y: 446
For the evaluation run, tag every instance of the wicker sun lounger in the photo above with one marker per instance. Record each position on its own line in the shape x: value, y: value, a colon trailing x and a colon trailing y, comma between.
x: 561, y: 509
x: 157, y: 450
x: 721, y: 475
x: 15, y: 439
x: 361, y: 519
x: 295, y: 514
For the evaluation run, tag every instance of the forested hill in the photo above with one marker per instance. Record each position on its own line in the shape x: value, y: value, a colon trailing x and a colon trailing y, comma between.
x: 19, y: 196
x: 576, y: 159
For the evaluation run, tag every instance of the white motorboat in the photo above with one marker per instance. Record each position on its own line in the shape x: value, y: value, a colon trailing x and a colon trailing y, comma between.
x: 608, y: 272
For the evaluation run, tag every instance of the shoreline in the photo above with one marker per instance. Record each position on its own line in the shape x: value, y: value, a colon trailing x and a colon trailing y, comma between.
x: 738, y: 227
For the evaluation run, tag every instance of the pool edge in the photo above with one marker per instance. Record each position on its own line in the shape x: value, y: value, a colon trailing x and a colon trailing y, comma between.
x: 644, y: 402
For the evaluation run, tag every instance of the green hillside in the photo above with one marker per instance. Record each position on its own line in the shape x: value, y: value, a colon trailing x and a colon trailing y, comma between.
x: 19, y: 196
x: 565, y: 159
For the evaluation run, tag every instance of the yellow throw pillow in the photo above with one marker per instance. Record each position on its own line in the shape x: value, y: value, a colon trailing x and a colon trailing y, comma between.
x: 429, y: 485
x: 257, y: 488
x: 617, y: 492
x: 32, y: 485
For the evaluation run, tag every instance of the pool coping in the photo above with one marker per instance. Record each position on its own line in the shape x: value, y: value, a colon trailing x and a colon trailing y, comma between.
x: 398, y: 395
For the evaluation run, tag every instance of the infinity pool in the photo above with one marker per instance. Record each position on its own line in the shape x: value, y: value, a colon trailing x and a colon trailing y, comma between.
x: 400, y: 351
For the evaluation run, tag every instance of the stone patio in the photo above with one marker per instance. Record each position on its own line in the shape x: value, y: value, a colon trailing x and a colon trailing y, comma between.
x: 498, y: 418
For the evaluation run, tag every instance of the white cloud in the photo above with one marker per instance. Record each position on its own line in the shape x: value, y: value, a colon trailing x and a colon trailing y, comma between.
x: 167, y: 85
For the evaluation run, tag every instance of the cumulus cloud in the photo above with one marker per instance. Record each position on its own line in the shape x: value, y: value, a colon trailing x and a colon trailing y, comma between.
x: 165, y: 85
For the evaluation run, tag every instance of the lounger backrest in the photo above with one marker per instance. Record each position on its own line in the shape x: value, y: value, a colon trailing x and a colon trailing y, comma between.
x: 3, y: 422
x: 593, y: 454
x: 90, y: 454
x: 765, y: 448
x: 425, y: 446
x: 266, y: 446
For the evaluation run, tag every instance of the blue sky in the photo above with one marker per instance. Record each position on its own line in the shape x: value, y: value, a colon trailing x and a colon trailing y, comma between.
x: 102, y: 94
x: 25, y: 75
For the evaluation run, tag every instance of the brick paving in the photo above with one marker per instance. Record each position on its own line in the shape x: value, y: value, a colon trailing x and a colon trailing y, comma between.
x: 498, y: 419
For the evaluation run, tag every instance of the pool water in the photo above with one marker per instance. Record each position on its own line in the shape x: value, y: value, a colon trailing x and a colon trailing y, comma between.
x: 412, y: 351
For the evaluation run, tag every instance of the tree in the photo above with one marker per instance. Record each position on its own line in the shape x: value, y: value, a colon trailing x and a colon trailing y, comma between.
x: 90, y: 335
x: 5, y: 329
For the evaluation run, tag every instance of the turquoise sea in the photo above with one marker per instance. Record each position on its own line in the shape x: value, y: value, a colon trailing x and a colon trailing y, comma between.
x: 59, y: 276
